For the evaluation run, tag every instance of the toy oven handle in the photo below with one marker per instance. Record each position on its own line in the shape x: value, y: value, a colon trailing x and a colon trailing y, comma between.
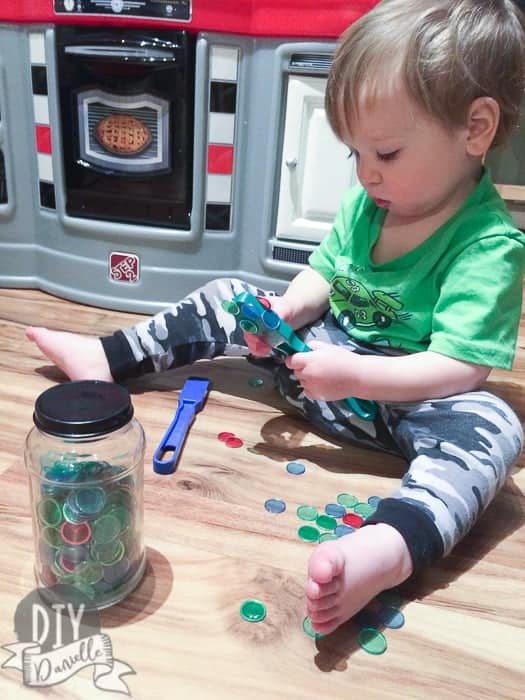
x: 127, y: 54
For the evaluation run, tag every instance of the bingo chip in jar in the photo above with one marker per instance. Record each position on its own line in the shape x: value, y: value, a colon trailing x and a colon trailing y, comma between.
x: 85, y: 459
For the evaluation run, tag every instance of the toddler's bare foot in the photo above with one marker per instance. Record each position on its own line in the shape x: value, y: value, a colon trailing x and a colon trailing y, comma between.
x: 345, y: 574
x: 78, y: 356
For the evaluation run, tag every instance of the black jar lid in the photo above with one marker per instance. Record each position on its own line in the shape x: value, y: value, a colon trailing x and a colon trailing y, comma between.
x: 87, y: 408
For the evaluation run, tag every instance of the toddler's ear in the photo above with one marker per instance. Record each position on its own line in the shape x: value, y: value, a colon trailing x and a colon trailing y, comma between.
x: 482, y: 125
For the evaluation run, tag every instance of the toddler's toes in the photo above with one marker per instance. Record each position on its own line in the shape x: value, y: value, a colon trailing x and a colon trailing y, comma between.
x: 325, y: 570
x: 329, y: 601
x: 326, y: 563
x: 314, y: 590
x: 328, y: 626
x: 324, y: 617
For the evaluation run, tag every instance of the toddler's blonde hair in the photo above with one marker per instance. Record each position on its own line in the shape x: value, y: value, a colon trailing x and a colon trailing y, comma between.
x: 445, y: 53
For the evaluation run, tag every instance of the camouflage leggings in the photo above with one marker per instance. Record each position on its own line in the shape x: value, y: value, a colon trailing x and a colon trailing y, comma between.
x: 459, y: 448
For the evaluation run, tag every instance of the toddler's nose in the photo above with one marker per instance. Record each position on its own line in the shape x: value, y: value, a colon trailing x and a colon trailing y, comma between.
x: 368, y: 174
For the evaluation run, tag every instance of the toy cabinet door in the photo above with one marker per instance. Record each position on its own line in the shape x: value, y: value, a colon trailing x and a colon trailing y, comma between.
x: 315, y: 169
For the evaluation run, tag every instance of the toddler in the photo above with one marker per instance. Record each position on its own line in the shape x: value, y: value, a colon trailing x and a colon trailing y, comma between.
x: 410, y: 300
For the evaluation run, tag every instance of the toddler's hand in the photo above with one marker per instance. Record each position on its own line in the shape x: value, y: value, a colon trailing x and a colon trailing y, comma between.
x: 325, y: 373
x: 256, y: 345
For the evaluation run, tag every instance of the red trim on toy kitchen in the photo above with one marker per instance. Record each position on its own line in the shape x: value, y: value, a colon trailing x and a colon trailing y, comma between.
x: 220, y: 159
x: 291, y: 18
x: 43, y: 138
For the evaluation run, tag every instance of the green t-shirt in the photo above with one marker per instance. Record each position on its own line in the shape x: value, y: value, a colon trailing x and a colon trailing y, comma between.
x: 458, y: 293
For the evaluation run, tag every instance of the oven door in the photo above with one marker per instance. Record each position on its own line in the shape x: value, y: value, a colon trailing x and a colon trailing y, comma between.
x: 126, y: 102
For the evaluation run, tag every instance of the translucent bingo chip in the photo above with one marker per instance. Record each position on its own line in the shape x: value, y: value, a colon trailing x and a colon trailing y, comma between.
x: 253, y: 611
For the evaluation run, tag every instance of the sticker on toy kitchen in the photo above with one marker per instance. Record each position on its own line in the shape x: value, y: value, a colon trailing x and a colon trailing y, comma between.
x: 58, y: 636
x: 124, y: 267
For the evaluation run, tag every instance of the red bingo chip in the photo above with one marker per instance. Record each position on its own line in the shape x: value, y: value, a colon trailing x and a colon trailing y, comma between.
x: 263, y: 301
x: 234, y: 442
x: 75, y: 533
x: 225, y: 436
x: 353, y: 519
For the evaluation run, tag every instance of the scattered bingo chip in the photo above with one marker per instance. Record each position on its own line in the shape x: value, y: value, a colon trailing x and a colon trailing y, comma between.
x: 308, y: 533
x: 335, y: 510
x: 391, y: 617
x: 253, y: 611
x: 234, y: 441
x: 347, y: 500
x: 295, y: 468
x: 309, y: 630
x: 353, y: 520
x: 327, y: 536
x: 364, y: 509
x: 326, y: 522
x: 230, y: 439
x: 275, y: 505
x: 372, y: 641
x: 342, y: 530
x: 307, y: 512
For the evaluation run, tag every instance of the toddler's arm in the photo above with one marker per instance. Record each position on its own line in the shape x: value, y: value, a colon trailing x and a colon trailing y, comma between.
x: 331, y: 373
x: 305, y: 300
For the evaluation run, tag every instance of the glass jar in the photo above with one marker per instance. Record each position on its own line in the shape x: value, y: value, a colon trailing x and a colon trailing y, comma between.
x: 85, y: 459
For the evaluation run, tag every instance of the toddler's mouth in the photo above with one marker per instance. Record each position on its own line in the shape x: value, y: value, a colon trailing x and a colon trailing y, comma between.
x: 383, y: 203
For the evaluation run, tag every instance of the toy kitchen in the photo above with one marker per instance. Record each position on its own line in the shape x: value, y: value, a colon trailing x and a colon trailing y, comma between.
x: 148, y: 146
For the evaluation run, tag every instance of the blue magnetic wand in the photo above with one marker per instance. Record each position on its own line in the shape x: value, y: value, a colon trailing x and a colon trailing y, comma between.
x: 258, y: 319
x: 191, y: 401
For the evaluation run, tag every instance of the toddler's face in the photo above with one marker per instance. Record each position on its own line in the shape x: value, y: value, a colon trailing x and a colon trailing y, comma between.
x: 408, y: 162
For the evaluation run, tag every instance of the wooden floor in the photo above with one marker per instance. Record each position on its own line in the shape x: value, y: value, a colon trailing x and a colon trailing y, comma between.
x: 212, y: 545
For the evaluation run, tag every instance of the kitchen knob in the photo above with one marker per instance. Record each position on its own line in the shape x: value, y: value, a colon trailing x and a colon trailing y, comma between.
x: 291, y: 162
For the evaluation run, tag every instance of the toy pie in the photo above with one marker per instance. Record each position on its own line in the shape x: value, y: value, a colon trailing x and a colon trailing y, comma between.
x: 122, y: 134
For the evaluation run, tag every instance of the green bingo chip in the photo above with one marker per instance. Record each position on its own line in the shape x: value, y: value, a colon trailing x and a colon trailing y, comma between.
x: 89, y: 572
x: 51, y: 536
x: 308, y: 533
x: 106, y: 529
x: 307, y: 512
x: 253, y: 611
x: 122, y: 514
x: 327, y: 536
x: 49, y: 512
x: 347, y: 500
x: 372, y: 641
x: 326, y: 522
x: 309, y: 630
x: 231, y: 307
x: 364, y: 509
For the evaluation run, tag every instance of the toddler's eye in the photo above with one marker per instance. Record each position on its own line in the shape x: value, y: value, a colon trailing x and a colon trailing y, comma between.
x: 352, y: 154
x: 392, y: 155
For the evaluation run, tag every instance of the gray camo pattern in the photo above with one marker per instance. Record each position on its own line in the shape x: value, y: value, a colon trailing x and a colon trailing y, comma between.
x: 459, y: 449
